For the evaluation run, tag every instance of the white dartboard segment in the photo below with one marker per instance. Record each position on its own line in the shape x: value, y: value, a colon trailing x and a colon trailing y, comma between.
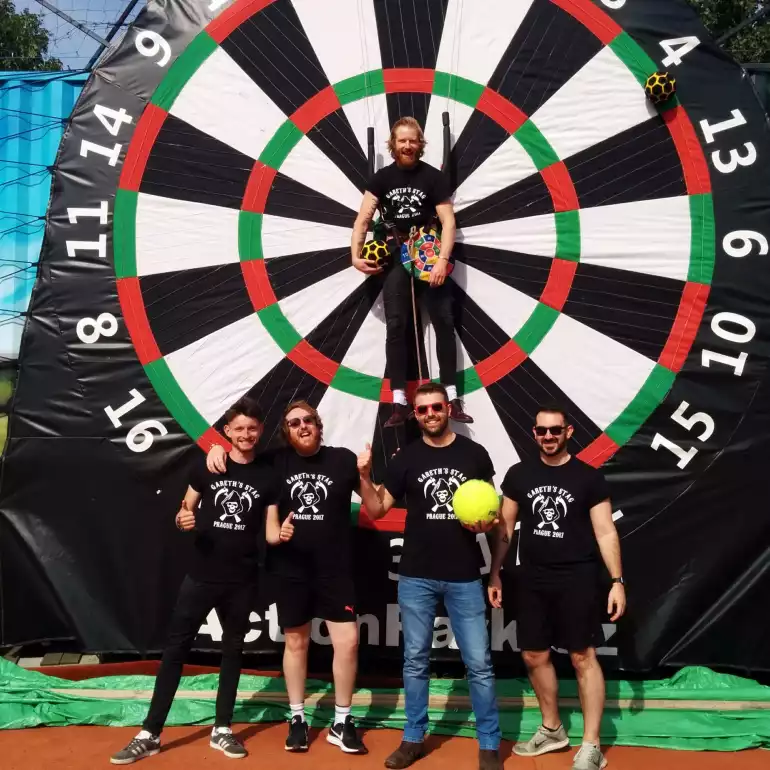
x: 528, y: 235
x: 355, y: 24
x: 471, y: 47
x: 218, y: 369
x: 601, y: 101
x: 459, y: 114
x: 371, y: 111
x: 507, y: 165
x: 651, y: 237
x: 221, y: 100
x: 282, y: 236
x: 366, y: 353
x: 307, y: 308
x: 181, y: 235
x: 308, y: 165
x: 600, y: 375
x: 488, y: 430
x: 509, y: 308
x: 476, y: 37
x: 349, y: 421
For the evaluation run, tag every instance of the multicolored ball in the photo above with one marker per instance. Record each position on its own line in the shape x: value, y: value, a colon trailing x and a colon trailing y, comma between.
x: 425, y: 252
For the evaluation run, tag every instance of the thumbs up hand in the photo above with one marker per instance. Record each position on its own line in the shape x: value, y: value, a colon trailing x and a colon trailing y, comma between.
x: 185, y: 518
x: 365, y: 462
x: 287, y: 529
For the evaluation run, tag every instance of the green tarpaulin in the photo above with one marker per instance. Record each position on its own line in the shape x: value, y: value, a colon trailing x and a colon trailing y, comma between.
x: 695, y: 709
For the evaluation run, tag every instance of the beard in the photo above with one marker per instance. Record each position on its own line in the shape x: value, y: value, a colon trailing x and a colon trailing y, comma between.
x: 554, y: 449
x: 435, y: 429
x: 304, y: 444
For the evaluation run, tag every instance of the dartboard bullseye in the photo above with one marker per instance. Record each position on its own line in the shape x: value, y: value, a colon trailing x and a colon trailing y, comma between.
x: 608, y: 256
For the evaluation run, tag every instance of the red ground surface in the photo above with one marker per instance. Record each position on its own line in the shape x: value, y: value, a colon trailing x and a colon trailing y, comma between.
x: 186, y: 748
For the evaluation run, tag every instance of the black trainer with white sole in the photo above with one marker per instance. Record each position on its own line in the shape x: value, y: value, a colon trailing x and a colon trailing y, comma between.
x: 297, y: 738
x: 345, y: 736
x: 228, y: 744
x: 139, y: 748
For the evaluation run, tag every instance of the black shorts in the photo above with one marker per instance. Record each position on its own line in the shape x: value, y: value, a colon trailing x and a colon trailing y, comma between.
x: 300, y: 599
x: 561, y: 608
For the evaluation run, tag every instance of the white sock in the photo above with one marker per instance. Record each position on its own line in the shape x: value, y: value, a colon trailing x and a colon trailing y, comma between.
x: 399, y: 397
x: 451, y: 392
x: 592, y: 745
x: 220, y: 730
x: 298, y: 710
x: 145, y: 735
x: 340, y: 713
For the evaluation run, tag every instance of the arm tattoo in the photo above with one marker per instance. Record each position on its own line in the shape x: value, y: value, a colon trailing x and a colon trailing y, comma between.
x: 506, y: 539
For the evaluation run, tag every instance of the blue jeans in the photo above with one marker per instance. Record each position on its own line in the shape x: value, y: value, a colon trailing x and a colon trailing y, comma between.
x: 418, y: 600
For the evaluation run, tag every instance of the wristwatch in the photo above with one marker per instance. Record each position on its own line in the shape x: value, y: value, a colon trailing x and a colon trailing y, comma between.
x: 619, y: 580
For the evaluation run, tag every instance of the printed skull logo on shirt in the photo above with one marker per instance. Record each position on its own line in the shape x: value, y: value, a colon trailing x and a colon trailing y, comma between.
x: 308, y: 491
x: 439, y: 486
x: 551, y: 508
x: 233, y: 503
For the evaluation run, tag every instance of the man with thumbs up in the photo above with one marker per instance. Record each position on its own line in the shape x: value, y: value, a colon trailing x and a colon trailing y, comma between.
x: 226, y: 512
x: 311, y: 565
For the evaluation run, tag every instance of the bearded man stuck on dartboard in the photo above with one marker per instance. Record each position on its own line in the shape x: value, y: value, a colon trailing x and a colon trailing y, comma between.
x: 411, y: 194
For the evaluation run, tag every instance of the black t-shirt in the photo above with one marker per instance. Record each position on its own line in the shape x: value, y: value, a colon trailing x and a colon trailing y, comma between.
x: 318, y: 490
x: 436, y: 545
x: 229, y: 522
x: 409, y: 196
x: 554, y: 510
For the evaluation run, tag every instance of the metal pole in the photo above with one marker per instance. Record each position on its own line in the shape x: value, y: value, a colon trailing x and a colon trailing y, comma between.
x: 370, y: 149
x: 760, y: 15
x: 70, y: 20
x: 113, y: 31
x: 447, y: 136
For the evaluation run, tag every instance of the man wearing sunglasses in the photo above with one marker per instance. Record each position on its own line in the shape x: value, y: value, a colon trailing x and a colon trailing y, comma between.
x: 441, y: 562
x: 566, y: 527
x: 311, y: 569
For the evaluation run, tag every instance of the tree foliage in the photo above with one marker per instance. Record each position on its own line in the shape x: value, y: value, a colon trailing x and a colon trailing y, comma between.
x: 720, y: 16
x: 23, y: 41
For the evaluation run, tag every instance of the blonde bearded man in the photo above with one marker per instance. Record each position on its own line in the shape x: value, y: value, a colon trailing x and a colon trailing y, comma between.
x: 411, y: 193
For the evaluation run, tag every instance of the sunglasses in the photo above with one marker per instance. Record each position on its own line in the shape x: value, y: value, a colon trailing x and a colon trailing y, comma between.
x: 437, y: 408
x: 555, y: 430
x: 295, y: 422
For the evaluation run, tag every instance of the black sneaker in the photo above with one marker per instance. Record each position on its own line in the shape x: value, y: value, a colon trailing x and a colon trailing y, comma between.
x: 139, y: 748
x: 297, y: 738
x: 344, y: 735
x: 228, y: 744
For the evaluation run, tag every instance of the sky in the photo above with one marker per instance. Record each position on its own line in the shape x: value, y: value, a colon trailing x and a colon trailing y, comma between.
x: 68, y: 43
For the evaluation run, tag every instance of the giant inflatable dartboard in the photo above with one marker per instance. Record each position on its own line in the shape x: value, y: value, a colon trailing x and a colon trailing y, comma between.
x: 589, y: 219
x: 610, y: 256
